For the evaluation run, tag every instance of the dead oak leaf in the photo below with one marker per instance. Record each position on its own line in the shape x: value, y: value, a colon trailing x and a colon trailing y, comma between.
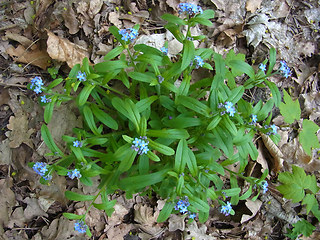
x: 253, y: 5
x: 20, y: 132
x: 65, y: 51
x: 34, y: 57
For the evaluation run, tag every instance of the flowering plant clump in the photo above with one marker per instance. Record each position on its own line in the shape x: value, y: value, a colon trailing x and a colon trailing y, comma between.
x: 190, y: 132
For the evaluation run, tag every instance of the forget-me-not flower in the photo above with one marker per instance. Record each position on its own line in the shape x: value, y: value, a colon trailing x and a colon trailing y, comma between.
x: 74, y: 173
x: 80, y: 226
x: 82, y: 76
x: 285, y: 69
x: 41, y: 168
x: 199, y: 61
x: 254, y: 118
x: 263, y: 67
x: 189, y: 8
x: 140, y: 145
x: 128, y: 34
x: 36, y: 84
x: 264, y: 186
x: 226, y: 209
x: 164, y: 50
x: 77, y: 143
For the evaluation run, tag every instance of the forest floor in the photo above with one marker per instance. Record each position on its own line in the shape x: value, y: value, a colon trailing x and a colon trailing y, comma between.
x: 78, y: 29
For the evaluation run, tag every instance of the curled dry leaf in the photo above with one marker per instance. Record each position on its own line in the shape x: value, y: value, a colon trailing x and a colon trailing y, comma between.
x: 147, y: 219
x: 274, y: 151
x: 70, y: 20
x: 254, y: 207
x: 95, y: 6
x: 36, y: 57
x: 114, y: 19
x: 65, y: 51
x: 176, y: 222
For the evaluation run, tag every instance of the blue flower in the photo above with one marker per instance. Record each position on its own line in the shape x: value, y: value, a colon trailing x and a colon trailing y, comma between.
x: 74, y: 173
x: 77, y: 143
x: 41, y: 168
x: 229, y: 108
x: 264, y: 186
x: 274, y: 129
x: 253, y: 118
x: 182, y: 205
x: 263, y: 67
x: 36, y: 84
x: 199, y: 61
x: 189, y: 8
x: 226, y: 209
x: 128, y: 34
x: 140, y: 145
x: 164, y: 50
x: 44, y: 99
x: 80, y: 227
x: 192, y: 215
x: 82, y: 76
x: 285, y: 69
x: 160, y: 78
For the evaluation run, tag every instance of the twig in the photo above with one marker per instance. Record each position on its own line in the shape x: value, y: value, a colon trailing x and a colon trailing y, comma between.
x: 12, y: 85
x: 8, y: 27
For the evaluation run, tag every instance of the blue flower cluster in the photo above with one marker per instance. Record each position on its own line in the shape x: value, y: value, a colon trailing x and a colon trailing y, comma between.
x: 128, y: 34
x: 285, y: 69
x: 274, y: 129
x: 140, y: 145
x: 182, y: 207
x: 189, y: 8
x: 82, y: 76
x: 199, y: 61
x: 77, y: 143
x: 74, y: 173
x: 226, y: 209
x: 264, y: 186
x: 164, y: 50
x: 41, y: 168
x: 263, y: 67
x: 44, y: 99
x: 229, y: 108
x: 36, y: 84
x: 80, y: 226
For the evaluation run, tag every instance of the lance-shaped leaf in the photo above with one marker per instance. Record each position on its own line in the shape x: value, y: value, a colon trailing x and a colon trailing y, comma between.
x: 47, y: 138
x: 188, y: 54
x: 168, y: 133
x: 78, y: 197
x: 194, y: 104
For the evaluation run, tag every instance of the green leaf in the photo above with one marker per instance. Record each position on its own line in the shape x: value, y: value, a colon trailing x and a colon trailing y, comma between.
x: 114, y: 53
x: 272, y: 60
x: 310, y: 201
x: 142, y: 77
x: 242, y: 66
x: 72, y: 216
x: 46, y: 136
x: 168, y: 133
x: 127, y: 159
x: 78, y: 197
x: 201, y: 20
x: 175, y: 30
x: 199, y: 204
x: 290, y: 110
x: 165, y: 211
x: 54, y: 83
x: 308, y: 137
x: 274, y: 91
x: 192, y: 163
x: 211, y: 194
x: 232, y: 192
x: 143, y: 104
x: 104, y: 117
x: 48, y: 111
x: 207, y: 14
x: 194, y: 105
x: 84, y: 94
x: 88, y: 116
x: 247, y: 194
x: 188, y: 54
x: 180, y: 185
x: 161, y: 148
x: 133, y: 113
x: 214, y: 122
x: 108, y: 66
x: 303, y: 227
x: 181, y: 156
x: 141, y: 181
x: 173, y: 19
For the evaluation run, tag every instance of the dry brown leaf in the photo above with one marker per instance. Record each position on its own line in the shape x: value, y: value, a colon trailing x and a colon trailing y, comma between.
x: 274, y: 151
x: 5, y: 152
x: 95, y: 6
x: 7, y: 200
x: 4, y: 96
x: 65, y: 51
x: 33, y: 209
x: 173, y: 4
x: 20, y: 132
x: 20, y: 39
x: 253, y: 5
x: 114, y: 19
x: 70, y: 20
x: 254, y: 207
x: 176, y: 222
x: 35, y: 57
x: 147, y: 220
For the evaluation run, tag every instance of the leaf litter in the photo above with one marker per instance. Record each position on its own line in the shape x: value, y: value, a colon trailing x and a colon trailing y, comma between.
x: 289, y: 26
